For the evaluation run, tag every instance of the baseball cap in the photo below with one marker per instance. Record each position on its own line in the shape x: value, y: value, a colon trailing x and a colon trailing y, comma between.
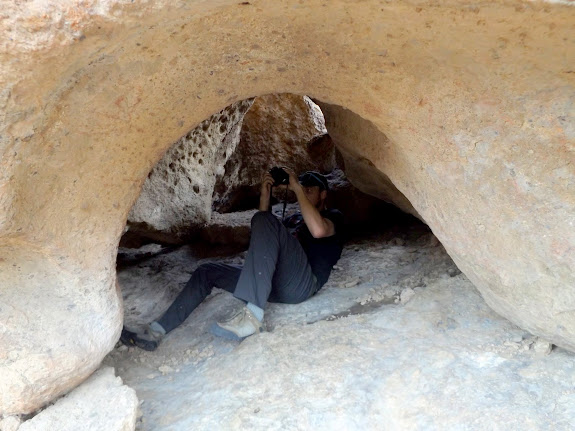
x: 312, y: 179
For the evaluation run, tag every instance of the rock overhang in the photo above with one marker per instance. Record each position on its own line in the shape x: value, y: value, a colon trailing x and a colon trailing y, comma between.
x: 476, y: 103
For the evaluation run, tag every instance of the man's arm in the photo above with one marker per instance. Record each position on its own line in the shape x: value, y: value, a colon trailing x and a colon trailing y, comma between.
x: 318, y: 226
x: 265, y: 191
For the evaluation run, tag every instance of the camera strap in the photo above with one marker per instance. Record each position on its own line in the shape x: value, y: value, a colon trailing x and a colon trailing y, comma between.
x: 285, y: 203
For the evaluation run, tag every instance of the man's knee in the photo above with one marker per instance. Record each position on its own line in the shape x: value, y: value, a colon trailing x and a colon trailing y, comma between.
x: 200, y: 276
x: 264, y: 218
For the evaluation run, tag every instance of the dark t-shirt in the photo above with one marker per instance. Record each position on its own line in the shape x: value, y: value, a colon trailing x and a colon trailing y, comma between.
x: 322, y: 253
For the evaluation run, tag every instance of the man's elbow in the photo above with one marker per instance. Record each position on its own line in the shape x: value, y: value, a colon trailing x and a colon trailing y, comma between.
x: 320, y: 232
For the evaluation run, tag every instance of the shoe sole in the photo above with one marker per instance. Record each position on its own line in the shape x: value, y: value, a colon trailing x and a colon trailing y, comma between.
x: 131, y: 339
x: 218, y: 331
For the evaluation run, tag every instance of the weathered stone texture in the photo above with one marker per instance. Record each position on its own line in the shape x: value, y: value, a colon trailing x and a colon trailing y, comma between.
x: 278, y: 130
x: 476, y: 100
x: 102, y: 402
x: 55, y: 329
x: 176, y: 197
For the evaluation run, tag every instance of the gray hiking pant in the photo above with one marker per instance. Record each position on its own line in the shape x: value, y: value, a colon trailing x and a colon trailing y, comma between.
x: 276, y: 269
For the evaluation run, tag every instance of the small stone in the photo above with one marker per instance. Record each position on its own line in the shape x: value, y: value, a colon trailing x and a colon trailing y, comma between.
x: 542, y: 347
x: 453, y: 272
x: 122, y: 348
x: 351, y: 283
x: 433, y: 241
x: 406, y: 295
x: 151, y: 376
x: 517, y: 338
x: 165, y: 369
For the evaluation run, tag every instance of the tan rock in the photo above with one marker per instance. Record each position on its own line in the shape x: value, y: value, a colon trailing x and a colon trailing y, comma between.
x: 278, y: 130
x: 58, y: 323
x: 176, y: 198
x: 102, y: 402
x: 359, y: 170
x: 475, y: 101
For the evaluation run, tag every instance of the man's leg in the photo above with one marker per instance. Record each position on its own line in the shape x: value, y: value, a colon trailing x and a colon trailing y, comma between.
x: 200, y: 285
x: 276, y: 267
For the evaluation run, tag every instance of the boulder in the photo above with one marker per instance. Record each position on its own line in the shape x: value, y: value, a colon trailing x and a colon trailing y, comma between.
x: 10, y: 423
x: 176, y: 198
x: 278, y: 130
x: 55, y: 329
x: 102, y: 402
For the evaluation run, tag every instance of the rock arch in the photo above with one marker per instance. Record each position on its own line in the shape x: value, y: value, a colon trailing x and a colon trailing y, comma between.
x: 476, y: 103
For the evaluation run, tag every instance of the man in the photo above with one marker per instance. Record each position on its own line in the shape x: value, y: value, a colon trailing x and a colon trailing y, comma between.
x: 286, y: 263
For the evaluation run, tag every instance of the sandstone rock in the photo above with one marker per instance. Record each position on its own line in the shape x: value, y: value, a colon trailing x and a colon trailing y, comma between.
x: 361, y: 172
x: 100, y: 403
x: 472, y: 123
x: 278, y: 130
x: 230, y: 228
x: 48, y: 340
x: 361, y: 211
x: 177, y: 196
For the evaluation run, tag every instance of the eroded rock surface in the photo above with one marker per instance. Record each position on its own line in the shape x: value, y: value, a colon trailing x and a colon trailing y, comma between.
x: 102, y: 402
x: 278, y: 130
x: 476, y: 101
x: 55, y: 329
x: 397, y: 332
x: 176, y: 197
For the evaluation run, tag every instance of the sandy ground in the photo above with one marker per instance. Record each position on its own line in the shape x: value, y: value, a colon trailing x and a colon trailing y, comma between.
x: 398, y: 339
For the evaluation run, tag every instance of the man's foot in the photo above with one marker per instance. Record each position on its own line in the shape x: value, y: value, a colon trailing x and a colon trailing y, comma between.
x: 130, y: 339
x: 239, y: 326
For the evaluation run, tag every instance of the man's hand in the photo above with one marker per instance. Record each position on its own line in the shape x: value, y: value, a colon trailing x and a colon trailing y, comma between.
x: 294, y: 184
x: 318, y: 226
x: 265, y: 191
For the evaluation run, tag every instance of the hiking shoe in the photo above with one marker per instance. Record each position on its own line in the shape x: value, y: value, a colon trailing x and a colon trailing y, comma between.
x: 239, y: 326
x: 131, y: 339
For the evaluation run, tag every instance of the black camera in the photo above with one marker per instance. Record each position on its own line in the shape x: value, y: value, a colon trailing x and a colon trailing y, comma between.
x: 280, y: 176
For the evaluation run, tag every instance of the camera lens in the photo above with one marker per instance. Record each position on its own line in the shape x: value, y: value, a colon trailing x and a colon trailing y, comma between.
x: 280, y: 176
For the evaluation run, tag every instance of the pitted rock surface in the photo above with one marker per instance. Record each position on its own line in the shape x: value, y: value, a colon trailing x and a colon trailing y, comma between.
x: 278, y: 130
x: 176, y: 197
x: 476, y: 102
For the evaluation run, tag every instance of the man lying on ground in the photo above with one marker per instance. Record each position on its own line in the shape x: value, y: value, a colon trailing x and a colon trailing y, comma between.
x: 286, y: 262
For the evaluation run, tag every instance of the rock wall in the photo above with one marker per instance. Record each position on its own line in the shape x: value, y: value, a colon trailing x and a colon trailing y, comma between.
x: 222, y: 160
x: 476, y: 101
x: 176, y: 197
x: 279, y: 130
